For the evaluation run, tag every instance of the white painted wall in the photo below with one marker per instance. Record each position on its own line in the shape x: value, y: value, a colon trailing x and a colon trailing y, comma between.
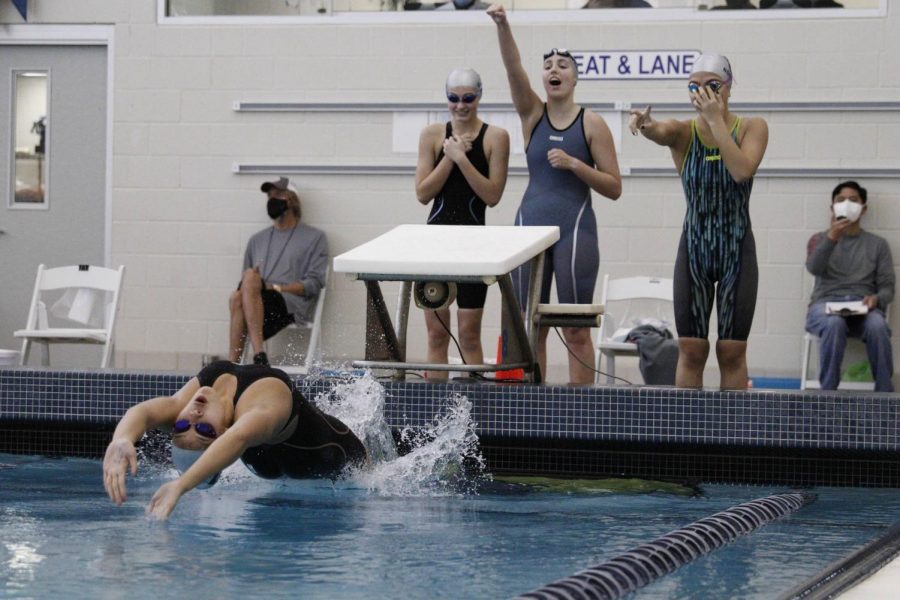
x: 181, y: 217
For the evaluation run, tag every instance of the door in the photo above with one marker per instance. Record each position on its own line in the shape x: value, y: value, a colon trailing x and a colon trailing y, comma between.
x: 53, y: 142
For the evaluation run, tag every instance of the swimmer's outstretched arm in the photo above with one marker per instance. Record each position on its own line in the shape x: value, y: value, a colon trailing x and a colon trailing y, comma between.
x: 221, y: 453
x: 669, y: 133
x: 528, y: 104
x: 254, y: 427
x: 121, y: 456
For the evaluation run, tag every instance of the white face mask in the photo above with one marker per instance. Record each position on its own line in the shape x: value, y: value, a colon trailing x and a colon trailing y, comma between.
x: 847, y: 209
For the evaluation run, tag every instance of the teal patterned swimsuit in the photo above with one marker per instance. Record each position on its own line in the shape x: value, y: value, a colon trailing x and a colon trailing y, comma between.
x: 717, y: 253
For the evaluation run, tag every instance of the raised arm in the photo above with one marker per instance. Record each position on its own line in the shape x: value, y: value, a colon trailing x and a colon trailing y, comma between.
x: 120, y: 454
x: 527, y: 103
x: 430, y: 178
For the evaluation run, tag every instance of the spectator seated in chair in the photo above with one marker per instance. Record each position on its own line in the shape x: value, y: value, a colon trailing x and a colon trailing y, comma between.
x: 851, y: 265
x: 285, y: 266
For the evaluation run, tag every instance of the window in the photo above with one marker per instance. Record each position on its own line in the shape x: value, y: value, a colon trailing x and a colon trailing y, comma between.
x: 665, y: 8
x: 30, y: 136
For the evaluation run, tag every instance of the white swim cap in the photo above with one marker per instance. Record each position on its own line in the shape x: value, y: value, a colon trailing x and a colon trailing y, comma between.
x: 183, y: 460
x: 714, y: 63
x: 464, y: 78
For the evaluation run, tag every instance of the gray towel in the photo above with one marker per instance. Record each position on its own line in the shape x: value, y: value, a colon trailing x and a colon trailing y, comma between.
x: 658, y: 353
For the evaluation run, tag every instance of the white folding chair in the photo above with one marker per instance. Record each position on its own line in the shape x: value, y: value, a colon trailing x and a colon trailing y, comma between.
x: 76, y: 280
x: 626, y: 289
x: 287, y: 337
x: 808, y: 382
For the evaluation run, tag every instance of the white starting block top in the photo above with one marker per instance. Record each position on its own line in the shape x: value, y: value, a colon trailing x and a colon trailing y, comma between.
x: 448, y: 250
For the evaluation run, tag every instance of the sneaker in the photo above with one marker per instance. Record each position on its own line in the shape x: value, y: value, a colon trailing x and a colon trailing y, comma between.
x: 260, y: 358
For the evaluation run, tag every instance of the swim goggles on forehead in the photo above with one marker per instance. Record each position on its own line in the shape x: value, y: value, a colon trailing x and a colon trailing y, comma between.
x: 559, y: 52
x: 465, y: 98
x: 203, y: 429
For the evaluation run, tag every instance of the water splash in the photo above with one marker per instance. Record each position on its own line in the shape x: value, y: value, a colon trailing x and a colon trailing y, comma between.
x: 359, y: 403
x: 443, y: 459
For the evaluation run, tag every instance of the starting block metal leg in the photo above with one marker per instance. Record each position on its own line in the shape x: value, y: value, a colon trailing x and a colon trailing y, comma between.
x: 514, y: 331
x: 381, y: 339
x: 401, y: 316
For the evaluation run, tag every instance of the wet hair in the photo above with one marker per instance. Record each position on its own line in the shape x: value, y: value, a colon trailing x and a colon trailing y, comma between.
x: 863, y: 193
x: 464, y: 77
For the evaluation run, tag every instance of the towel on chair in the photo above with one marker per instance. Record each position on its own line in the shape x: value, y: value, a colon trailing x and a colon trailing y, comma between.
x: 658, y: 353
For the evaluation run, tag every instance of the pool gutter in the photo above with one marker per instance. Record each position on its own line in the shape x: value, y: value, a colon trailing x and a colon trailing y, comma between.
x: 844, y: 574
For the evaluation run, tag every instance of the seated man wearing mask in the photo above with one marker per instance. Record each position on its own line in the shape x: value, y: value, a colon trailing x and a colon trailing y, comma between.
x: 284, y: 269
x: 851, y: 265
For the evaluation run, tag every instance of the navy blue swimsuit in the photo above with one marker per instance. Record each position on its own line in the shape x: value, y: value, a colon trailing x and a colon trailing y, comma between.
x: 559, y: 197
x: 321, y: 445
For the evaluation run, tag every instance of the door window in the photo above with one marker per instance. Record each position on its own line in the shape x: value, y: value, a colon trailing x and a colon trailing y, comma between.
x: 31, y: 132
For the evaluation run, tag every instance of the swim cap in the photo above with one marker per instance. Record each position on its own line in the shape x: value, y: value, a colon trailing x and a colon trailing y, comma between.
x: 183, y: 460
x: 464, y: 78
x: 713, y: 63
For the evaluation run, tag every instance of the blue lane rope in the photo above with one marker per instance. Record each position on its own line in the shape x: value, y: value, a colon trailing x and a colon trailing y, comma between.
x: 644, y: 564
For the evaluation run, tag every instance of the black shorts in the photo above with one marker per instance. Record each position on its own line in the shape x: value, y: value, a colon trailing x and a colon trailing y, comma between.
x: 275, y: 313
x: 471, y: 295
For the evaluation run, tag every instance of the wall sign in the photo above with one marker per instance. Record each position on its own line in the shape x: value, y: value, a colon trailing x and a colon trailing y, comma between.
x: 634, y: 64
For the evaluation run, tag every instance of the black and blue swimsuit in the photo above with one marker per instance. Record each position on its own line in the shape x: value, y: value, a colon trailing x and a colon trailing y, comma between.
x: 717, y: 252
x: 321, y: 445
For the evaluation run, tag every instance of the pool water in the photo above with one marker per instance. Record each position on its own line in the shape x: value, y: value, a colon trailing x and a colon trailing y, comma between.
x: 61, y: 537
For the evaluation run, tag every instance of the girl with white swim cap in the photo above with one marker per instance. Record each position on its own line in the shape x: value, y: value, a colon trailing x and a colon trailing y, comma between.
x: 570, y: 152
x: 462, y: 168
x: 717, y: 155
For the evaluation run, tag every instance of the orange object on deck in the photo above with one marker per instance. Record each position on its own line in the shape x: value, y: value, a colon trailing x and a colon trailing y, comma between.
x: 511, y: 374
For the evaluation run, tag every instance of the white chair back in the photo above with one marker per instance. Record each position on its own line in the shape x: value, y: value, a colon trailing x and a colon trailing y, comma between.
x: 72, y: 280
x: 657, y: 290
x: 633, y: 288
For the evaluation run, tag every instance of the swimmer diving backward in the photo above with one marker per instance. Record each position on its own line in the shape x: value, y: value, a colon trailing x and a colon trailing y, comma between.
x: 717, y: 155
x: 570, y: 152
x: 230, y: 412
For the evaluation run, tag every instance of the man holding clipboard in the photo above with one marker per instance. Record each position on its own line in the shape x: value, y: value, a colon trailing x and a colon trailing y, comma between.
x: 854, y: 284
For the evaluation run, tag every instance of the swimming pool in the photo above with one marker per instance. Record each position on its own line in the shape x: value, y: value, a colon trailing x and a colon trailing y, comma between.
x: 60, y: 535
x: 414, y: 526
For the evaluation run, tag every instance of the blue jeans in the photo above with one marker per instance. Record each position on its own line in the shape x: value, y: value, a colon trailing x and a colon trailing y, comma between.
x: 833, y: 331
